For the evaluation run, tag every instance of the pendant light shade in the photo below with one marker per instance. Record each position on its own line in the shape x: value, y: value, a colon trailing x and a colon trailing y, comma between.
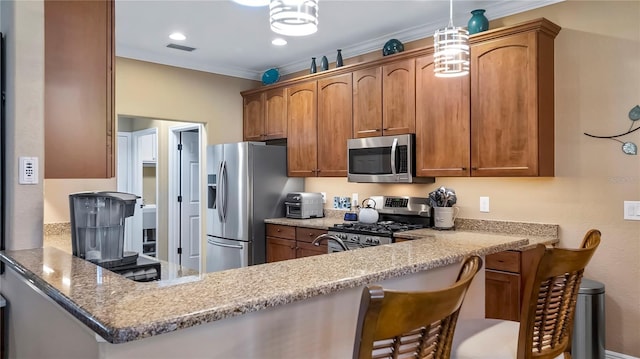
x: 451, y: 45
x: 293, y: 17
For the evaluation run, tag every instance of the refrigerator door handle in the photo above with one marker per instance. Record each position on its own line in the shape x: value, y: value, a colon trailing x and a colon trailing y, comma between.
x: 224, y: 245
x: 220, y: 188
x: 225, y: 190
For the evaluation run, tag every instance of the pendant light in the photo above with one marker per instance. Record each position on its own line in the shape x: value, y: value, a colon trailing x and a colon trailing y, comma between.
x: 293, y: 17
x: 451, y: 44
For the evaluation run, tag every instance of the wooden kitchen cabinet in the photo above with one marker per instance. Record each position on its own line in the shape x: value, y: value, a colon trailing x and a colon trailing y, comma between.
x: 281, y: 242
x: 399, y: 97
x: 505, y: 277
x: 442, y: 123
x: 79, y: 89
x: 367, y: 102
x: 512, y: 101
x: 253, y: 117
x: 288, y: 242
x: 302, y: 137
x: 334, y: 124
x: 319, y: 125
x: 265, y: 115
x: 304, y: 237
x: 384, y: 100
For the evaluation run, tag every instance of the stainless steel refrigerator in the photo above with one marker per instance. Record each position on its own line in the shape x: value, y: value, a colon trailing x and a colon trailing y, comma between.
x: 247, y: 183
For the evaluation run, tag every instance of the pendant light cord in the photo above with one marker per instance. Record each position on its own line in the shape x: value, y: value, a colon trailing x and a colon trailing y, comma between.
x: 450, y: 13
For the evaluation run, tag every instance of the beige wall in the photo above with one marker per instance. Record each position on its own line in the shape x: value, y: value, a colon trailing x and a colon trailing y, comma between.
x: 597, y: 82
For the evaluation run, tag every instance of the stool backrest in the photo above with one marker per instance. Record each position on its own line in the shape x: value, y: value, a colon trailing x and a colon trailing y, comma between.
x: 546, y: 320
x: 394, y: 324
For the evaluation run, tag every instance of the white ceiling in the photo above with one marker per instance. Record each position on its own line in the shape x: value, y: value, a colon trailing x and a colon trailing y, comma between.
x: 235, y: 40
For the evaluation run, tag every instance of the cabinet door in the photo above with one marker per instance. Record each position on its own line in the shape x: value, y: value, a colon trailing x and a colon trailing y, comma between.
x: 308, y: 234
x: 502, y: 295
x: 504, y: 97
x: 442, y: 122
x: 307, y: 249
x: 279, y: 249
x: 78, y: 96
x: 399, y: 98
x: 367, y: 102
x: 253, y: 124
x: 147, y: 147
x: 275, y: 114
x: 302, y: 144
x: 334, y: 125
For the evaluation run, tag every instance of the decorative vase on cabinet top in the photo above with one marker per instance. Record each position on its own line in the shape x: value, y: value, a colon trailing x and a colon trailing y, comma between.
x: 339, y: 62
x: 324, y: 63
x: 478, y: 22
x: 313, y: 68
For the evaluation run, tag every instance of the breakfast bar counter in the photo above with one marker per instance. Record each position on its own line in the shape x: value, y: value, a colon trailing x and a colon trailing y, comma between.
x: 301, y: 307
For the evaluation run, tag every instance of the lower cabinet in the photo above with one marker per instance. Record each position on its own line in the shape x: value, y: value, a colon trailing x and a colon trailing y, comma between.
x: 505, y: 277
x: 288, y: 242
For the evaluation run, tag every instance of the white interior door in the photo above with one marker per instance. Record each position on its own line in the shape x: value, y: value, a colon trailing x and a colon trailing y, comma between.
x: 190, y: 206
x: 123, y: 179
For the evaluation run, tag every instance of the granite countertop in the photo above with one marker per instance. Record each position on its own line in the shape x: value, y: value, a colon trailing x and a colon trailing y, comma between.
x: 117, y: 309
x: 62, y: 240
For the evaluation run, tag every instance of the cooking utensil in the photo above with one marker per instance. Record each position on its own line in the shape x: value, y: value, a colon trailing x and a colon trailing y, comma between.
x: 367, y: 213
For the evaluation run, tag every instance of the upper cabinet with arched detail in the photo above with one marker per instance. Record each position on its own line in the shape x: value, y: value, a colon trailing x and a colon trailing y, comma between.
x: 367, y: 102
x: 512, y: 101
x: 442, y: 123
x: 399, y: 97
x: 334, y: 124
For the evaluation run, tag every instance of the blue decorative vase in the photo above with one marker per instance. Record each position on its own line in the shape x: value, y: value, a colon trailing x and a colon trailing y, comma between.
x: 324, y: 63
x: 339, y: 59
x: 391, y: 47
x: 313, y: 68
x: 478, y: 22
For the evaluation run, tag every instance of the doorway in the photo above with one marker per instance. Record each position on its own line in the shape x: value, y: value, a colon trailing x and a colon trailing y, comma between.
x: 185, y: 158
x: 168, y: 236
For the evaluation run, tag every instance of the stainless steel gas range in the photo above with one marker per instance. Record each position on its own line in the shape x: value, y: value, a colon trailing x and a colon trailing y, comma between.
x: 397, y: 214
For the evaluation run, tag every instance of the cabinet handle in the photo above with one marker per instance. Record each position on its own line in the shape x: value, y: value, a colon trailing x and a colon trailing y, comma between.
x: 474, y: 168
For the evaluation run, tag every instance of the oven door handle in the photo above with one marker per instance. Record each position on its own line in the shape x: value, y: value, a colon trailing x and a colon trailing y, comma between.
x: 394, y: 148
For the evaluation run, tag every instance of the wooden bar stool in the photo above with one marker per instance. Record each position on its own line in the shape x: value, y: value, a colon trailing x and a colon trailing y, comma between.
x: 546, y: 319
x: 394, y: 324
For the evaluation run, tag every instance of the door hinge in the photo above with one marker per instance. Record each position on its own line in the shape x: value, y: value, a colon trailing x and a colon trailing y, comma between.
x: 179, y: 250
x: 180, y: 199
x: 180, y: 147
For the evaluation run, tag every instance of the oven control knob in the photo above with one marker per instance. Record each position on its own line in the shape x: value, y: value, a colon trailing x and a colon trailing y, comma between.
x: 354, y: 238
x: 372, y: 241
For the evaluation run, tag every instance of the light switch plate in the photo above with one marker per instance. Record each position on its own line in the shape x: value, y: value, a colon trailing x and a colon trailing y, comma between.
x: 28, y: 170
x: 632, y: 210
x: 484, y: 204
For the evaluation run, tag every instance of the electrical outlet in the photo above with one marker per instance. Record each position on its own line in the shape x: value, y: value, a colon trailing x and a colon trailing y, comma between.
x: 632, y: 210
x: 28, y: 170
x: 484, y: 204
x: 324, y: 197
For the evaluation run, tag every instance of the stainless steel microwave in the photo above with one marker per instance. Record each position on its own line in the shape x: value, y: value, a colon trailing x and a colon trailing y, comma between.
x: 384, y: 159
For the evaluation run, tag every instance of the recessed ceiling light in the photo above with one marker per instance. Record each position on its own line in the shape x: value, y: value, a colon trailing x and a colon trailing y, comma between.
x: 252, y: 2
x: 177, y: 36
x: 279, y: 42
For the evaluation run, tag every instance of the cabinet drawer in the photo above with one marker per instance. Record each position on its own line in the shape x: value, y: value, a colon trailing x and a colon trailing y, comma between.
x: 280, y: 231
x: 308, y: 234
x: 508, y: 261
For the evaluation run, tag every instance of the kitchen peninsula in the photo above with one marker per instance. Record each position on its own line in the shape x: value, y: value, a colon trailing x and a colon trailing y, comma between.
x: 304, y: 307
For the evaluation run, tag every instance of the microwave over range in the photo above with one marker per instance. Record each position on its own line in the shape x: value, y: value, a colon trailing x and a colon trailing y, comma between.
x: 383, y: 159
